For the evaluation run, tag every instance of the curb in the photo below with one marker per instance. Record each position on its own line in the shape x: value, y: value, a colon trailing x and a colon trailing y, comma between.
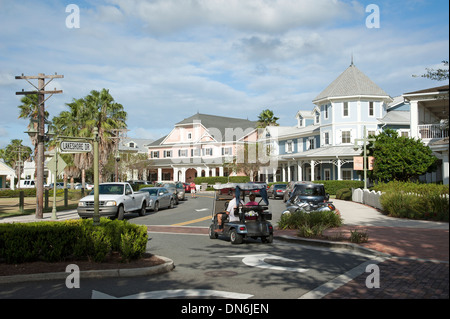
x: 326, y: 243
x: 107, y: 273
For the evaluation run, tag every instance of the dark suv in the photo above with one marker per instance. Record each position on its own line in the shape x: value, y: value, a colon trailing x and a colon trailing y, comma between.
x: 309, y: 192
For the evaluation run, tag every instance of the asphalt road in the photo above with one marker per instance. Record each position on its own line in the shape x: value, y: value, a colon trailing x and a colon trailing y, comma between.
x: 213, y: 268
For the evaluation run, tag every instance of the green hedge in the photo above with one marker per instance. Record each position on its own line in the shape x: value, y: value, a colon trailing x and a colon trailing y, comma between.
x: 415, y: 200
x: 310, y: 224
x: 344, y: 194
x: 331, y: 187
x: 221, y: 179
x: 75, y: 239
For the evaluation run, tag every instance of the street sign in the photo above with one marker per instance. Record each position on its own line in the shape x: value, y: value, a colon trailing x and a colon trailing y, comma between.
x: 56, y: 165
x: 75, y: 147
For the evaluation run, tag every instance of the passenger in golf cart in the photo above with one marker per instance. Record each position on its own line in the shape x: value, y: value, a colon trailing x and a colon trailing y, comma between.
x: 232, y: 218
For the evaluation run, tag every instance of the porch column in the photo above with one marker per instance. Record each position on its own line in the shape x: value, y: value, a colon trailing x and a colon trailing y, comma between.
x: 312, y: 170
x: 339, y: 170
x: 159, y: 174
x: 175, y: 174
x: 274, y: 172
x: 445, y: 169
x: 414, y: 120
x: 283, y: 173
x: 299, y: 171
x: 221, y: 171
x: 289, y: 171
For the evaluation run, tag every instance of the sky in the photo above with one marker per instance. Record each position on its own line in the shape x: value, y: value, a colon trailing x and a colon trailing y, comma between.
x: 165, y: 60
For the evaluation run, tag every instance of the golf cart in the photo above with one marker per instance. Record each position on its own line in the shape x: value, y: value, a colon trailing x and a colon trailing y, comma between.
x: 248, y: 221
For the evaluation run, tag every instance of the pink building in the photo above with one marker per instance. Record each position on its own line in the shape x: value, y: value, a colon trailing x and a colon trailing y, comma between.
x: 199, y: 146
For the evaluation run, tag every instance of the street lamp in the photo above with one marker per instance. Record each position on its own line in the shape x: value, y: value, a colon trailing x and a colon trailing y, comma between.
x: 356, y: 147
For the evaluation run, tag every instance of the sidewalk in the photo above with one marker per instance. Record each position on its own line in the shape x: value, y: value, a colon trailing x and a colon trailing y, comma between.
x: 417, y: 264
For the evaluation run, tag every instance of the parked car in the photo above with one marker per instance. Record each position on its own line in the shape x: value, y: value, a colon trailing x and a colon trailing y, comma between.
x: 256, y: 190
x: 276, y: 191
x: 309, y: 192
x: 115, y: 199
x: 159, y: 197
x: 288, y: 191
x: 86, y: 185
x: 187, y: 187
x: 28, y: 183
x: 172, y: 188
x: 181, y: 191
x: 59, y: 185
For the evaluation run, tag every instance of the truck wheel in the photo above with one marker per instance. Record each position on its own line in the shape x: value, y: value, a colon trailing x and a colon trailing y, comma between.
x: 143, y: 210
x: 120, y: 213
x: 235, y: 237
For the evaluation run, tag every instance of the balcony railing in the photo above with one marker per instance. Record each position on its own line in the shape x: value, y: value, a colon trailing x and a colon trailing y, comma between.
x: 430, y: 131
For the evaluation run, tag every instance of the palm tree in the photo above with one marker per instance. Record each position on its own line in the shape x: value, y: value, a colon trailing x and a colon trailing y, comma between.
x: 266, y: 118
x: 98, y: 109
x: 29, y: 110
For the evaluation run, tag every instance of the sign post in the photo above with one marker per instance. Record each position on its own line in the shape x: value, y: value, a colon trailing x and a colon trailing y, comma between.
x: 55, y: 165
x: 365, y: 140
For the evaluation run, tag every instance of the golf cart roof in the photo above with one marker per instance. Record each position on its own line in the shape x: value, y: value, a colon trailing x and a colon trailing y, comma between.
x: 242, y: 186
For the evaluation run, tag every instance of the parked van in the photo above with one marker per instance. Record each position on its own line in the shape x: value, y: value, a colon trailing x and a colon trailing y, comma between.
x: 28, y: 183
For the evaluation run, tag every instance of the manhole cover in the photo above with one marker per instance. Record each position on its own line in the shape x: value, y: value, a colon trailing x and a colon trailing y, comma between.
x: 221, y: 273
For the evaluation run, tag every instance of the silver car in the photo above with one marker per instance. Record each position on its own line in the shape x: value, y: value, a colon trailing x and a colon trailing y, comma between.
x: 159, y: 197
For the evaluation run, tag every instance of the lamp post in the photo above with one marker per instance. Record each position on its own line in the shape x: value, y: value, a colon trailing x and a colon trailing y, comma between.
x: 365, y: 140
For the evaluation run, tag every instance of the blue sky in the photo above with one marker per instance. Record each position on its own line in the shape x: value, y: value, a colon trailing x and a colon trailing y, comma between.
x: 165, y: 60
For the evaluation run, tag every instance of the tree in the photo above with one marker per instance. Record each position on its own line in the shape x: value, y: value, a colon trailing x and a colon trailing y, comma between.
x: 436, y: 75
x: 266, y: 118
x: 98, y: 109
x: 399, y: 158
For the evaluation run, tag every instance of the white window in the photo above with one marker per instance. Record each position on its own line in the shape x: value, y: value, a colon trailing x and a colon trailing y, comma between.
x: 189, y: 136
x: 371, y: 109
x: 346, y: 137
x: 326, y: 138
x: 345, y: 110
x: 167, y: 153
x: 207, y: 152
x: 346, y: 174
x: 325, y: 108
x: 227, y: 151
x: 317, y: 118
x: 155, y: 154
x: 327, y: 174
x: 289, y: 146
x: 182, y: 153
x: 195, y: 152
x: 310, y: 143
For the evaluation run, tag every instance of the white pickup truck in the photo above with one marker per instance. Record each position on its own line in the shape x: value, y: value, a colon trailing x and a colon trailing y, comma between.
x: 115, y: 199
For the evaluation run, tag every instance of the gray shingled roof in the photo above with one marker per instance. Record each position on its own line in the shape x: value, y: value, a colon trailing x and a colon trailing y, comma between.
x: 350, y: 83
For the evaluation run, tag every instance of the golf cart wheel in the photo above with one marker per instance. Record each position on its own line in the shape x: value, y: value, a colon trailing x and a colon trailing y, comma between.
x: 267, y: 239
x: 212, y: 233
x: 235, y: 237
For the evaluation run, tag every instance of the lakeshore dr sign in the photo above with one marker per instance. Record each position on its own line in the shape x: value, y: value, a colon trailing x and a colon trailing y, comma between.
x: 75, y: 147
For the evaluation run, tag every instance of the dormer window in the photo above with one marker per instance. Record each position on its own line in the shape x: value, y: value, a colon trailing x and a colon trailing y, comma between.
x: 131, y: 145
x: 317, y: 118
x: 300, y: 121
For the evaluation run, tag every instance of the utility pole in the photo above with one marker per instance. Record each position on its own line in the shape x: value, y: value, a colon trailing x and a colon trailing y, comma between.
x: 40, y: 92
x: 119, y: 134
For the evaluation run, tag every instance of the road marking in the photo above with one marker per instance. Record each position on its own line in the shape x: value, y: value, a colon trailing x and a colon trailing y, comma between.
x: 163, y: 294
x: 192, y: 221
x: 201, y: 209
x: 341, y: 280
x: 258, y: 261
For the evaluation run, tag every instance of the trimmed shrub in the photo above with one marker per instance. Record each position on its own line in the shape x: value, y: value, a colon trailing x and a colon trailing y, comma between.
x: 310, y: 224
x: 344, y: 194
x: 76, y: 239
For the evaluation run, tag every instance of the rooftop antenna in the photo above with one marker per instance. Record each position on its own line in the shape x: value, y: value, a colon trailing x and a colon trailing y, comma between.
x: 352, y: 60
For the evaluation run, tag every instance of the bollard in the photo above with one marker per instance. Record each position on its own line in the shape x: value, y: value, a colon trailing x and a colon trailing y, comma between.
x: 21, y: 201
x: 66, y: 193
x: 46, y: 199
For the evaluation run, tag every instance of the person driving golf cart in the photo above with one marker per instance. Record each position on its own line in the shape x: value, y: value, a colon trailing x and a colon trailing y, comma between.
x: 241, y: 221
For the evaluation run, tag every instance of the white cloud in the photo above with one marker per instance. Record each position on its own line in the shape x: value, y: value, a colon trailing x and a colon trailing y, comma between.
x: 250, y: 15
